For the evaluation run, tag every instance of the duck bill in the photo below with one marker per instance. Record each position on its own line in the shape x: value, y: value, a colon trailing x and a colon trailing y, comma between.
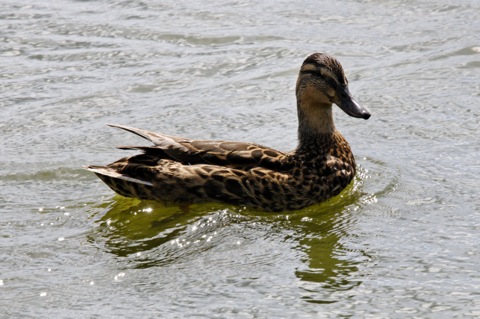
x: 350, y: 106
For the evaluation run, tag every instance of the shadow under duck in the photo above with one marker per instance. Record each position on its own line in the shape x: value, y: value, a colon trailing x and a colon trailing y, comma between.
x: 180, y: 171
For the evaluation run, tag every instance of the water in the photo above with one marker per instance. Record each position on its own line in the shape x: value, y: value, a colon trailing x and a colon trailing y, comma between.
x: 401, y: 242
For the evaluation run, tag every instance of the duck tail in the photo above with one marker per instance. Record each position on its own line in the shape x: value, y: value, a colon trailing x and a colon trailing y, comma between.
x: 121, y: 183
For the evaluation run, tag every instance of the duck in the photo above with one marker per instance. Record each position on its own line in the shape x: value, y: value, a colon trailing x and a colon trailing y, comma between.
x: 180, y: 171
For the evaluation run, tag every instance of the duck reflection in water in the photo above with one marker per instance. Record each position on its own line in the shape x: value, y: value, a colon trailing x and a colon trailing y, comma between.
x: 307, y: 244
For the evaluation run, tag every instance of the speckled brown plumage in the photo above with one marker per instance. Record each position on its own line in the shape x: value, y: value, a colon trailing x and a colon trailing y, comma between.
x: 181, y: 171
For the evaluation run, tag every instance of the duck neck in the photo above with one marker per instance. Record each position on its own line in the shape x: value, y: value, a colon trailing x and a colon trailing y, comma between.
x: 316, y: 128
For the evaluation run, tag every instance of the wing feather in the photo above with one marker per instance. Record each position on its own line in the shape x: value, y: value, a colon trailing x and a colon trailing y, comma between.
x: 232, y: 154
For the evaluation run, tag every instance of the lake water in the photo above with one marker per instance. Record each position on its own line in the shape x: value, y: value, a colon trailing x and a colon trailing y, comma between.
x: 402, y: 242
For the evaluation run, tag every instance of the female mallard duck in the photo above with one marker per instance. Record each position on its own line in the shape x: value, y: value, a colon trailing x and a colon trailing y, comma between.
x: 181, y: 171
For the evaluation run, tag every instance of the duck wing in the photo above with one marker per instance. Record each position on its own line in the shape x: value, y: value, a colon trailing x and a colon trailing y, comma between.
x: 222, y: 153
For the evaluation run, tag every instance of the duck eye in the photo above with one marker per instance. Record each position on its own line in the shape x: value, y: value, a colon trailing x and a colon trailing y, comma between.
x: 313, y: 72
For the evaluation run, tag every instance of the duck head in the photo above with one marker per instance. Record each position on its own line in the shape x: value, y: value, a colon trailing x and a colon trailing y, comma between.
x: 321, y: 83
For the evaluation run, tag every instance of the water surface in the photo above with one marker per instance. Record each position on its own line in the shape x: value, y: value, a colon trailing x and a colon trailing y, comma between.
x: 401, y: 242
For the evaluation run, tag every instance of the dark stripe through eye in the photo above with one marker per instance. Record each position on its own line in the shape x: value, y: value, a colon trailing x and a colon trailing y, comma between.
x: 312, y: 72
x: 330, y: 81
